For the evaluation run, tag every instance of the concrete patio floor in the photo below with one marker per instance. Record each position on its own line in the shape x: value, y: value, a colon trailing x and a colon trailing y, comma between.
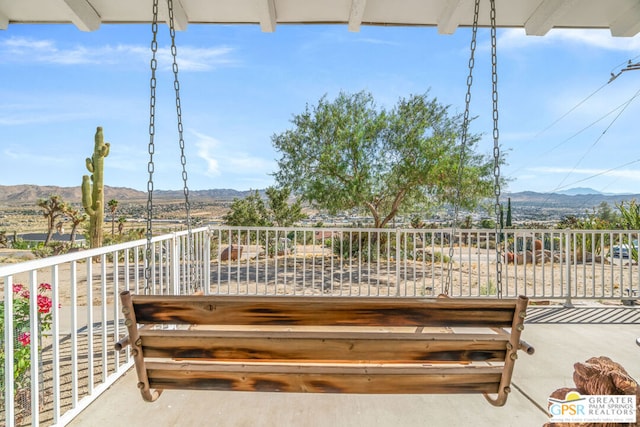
x: 560, y: 341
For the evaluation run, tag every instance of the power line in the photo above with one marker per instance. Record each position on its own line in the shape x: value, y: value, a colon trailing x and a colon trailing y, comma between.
x: 595, y: 122
x: 625, y: 62
x: 630, y: 67
x: 598, y: 139
x: 598, y: 174
x: 571, y: 110
x: 623, y: 106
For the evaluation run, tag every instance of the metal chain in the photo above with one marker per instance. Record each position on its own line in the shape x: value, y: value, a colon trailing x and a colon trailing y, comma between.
x: 183, y: 158
x: 496, y: 149
x: 152, y: 132
x: 463, y: 145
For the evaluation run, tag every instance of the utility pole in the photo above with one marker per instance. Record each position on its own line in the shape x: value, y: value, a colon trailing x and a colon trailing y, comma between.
x: 630, y: 67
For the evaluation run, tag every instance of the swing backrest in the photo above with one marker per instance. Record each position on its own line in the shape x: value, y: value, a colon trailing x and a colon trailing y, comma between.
x: 324, y: 344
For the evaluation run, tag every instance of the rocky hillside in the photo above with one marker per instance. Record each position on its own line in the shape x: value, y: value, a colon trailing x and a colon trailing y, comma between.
x: 568, y: 200
x: 30, y: 194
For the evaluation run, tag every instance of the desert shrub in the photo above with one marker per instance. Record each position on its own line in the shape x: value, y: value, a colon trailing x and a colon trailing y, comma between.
x: 53, y: 248
x: 365, y: 246
x: 21, y: 244
x: 434, y: 257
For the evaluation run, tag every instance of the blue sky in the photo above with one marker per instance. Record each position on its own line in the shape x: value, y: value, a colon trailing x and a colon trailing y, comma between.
x: 561, y: 124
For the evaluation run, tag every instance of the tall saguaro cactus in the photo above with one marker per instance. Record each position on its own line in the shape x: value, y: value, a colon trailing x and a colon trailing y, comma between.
x: 93, y: 189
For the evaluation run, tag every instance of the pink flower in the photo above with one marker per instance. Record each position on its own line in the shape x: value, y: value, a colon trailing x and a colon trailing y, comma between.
x: 25, y: 294
x: 17, y: 288
x: 25, y: 338
x: 45, y: 287
x: 44, y: 304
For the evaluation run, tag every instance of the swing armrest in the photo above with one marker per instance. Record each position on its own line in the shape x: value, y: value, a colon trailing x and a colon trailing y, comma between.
x: 122, y: 343
x: 526, y: 347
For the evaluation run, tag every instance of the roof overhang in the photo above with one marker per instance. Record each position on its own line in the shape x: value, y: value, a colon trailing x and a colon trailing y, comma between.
x: 537, y: 17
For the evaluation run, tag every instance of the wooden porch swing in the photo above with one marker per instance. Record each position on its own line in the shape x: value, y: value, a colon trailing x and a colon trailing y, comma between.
x: 327, y: 344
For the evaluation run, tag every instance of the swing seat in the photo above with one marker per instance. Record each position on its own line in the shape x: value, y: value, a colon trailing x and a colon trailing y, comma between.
x: 324, y: 344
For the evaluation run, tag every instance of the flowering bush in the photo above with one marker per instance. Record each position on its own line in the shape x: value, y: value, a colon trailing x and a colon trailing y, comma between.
x: 22, y: 331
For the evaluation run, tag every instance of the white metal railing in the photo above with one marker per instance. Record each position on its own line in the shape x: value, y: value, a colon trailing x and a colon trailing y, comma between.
x: 553, y: 264
x: 73, y: 362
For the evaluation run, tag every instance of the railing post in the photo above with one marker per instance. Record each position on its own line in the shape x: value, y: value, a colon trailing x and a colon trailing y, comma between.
x: 568, y: 263
x: 176, y: 256
x: 398, y: 262
x: 34, y: 329
x: 9, y: 397
x: 207, y: 262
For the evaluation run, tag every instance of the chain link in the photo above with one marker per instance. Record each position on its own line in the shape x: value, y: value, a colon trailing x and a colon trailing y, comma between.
x: 152, y: 132
x: 463, y: 147
x: 183, y: 157
x: 496, y: 148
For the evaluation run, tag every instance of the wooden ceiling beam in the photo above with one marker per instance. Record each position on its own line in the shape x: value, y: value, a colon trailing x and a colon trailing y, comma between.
x: 628, y: 23
x: 356, y: 14
x: 180, y: 19
x: 4, y: 21
x: 267, y: 14
x: 83, y: 15
x: 546, y: 15
x: 448, y: 19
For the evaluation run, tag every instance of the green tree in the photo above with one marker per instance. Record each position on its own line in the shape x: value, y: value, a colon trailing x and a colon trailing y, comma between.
x: 252, y: 211
x: 488, y: 223
x: 121, y: 222
x: 53, y: 209
x: 607, y: 214
x: 113, y: 207
x: 248, y: 212
x: 586, y: 241
x: 630, y: 216
x: 76, y: 217
x: 347, y: 153
x: 281, y: 213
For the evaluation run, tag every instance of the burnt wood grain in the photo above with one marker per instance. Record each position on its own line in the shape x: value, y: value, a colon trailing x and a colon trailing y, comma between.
x: 324, y: 344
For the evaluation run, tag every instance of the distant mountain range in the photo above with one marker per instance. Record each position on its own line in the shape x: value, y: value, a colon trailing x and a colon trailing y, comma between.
x: 583, y: 191
x: 578, y: 191
x: 579, y: 199
x: 30, y: 194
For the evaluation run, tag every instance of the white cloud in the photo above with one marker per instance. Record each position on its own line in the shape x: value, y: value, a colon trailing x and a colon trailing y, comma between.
x: 375, y: 41
x: 330, y: 37
x: 26, y: 50
x: 632, y: 174
x: 602, y: 39
x: 57, y: 107
x: 34, y: 157
x: 198, y: 59
x: 29, y: 118
x: 207, y: 148
x: 220, y: 159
